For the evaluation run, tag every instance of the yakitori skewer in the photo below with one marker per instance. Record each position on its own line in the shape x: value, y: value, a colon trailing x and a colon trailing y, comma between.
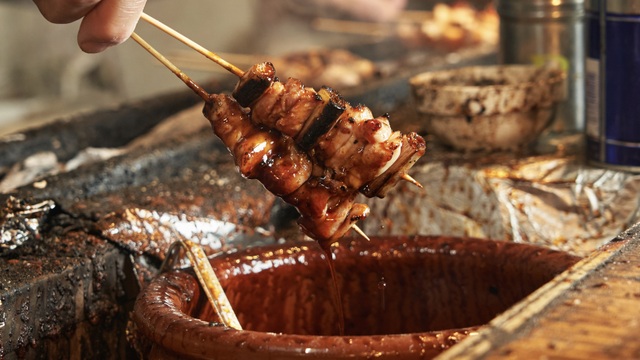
x: 196, y: 88
x: 223, y: 63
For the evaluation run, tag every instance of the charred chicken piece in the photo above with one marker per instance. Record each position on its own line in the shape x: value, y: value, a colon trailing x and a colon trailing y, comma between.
x: 413, y: 146
x: 259, y: 153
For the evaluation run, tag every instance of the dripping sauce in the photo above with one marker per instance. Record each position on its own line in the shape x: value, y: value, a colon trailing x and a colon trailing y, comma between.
x: 337, y: 295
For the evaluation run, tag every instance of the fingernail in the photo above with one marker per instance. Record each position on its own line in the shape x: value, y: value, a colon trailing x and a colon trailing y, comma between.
x: 93, y: 47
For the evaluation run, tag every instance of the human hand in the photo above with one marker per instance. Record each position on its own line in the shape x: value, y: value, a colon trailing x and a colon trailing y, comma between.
x: 105, y: 23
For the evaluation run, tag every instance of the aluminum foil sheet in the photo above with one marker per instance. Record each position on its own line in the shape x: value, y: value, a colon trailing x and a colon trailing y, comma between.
x: 152, y: 232
x: 553, y: 200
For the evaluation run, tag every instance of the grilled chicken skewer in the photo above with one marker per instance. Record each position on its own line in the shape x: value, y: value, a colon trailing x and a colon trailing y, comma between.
x: 258, y: 85
x: 311, y: 148
x: 277, y: 163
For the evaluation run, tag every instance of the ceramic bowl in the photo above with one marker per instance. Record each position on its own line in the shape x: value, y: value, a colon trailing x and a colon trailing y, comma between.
x: 402, y: 298
x: 498, y: 107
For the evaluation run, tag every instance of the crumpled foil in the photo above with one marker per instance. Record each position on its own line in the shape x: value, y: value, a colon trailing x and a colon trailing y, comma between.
x: 152, y: 232
x: 553, y: 200
x: 149, y: 234
x: 21, y: 221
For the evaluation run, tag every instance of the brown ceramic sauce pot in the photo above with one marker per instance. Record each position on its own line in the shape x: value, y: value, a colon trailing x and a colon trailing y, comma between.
x: 403, y: 298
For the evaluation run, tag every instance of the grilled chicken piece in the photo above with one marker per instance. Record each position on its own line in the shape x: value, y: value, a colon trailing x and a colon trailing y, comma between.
x: 413, y: 147
x: 311, y: 148
x: 340, y: 141
x: 259, y: 154
x: 375, y: 130
x: 298, y: 103
x: 265, y: 110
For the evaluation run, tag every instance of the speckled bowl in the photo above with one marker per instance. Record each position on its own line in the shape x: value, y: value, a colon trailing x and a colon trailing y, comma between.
x: 499, y: 107
x: 403, y: 298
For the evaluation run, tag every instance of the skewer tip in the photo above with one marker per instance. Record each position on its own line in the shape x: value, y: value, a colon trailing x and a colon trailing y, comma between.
x: 407, y: 177
x: 360, y: 232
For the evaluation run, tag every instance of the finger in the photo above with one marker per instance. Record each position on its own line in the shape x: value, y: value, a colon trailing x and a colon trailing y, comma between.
x: 109, y: 23
x: 64, y: 11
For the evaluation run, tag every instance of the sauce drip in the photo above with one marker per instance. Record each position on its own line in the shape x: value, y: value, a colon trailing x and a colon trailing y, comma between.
x: 382, y: 287
x: 337, y: 295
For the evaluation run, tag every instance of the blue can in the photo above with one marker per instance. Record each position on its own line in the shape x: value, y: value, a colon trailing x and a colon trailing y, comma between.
x: 612, y: 72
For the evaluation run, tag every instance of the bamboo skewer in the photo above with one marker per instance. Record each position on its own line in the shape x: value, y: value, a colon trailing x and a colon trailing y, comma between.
x: 409, y: 178
x: 192, y: 44
x: 197, y: 62
x: 208, y: 280
x: 360, y: 232
x: 174, y: 69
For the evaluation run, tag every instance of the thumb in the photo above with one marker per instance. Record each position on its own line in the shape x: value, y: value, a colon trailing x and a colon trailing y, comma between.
x: 109, y: 23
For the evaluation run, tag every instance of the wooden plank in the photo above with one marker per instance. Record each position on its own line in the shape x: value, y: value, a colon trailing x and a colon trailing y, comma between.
x: 592, y: 311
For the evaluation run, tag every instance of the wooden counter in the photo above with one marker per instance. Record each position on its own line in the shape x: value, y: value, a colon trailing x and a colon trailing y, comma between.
x: 591, y: 311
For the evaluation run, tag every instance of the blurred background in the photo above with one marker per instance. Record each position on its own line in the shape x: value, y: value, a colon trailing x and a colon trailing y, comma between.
x: 45, y: 76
